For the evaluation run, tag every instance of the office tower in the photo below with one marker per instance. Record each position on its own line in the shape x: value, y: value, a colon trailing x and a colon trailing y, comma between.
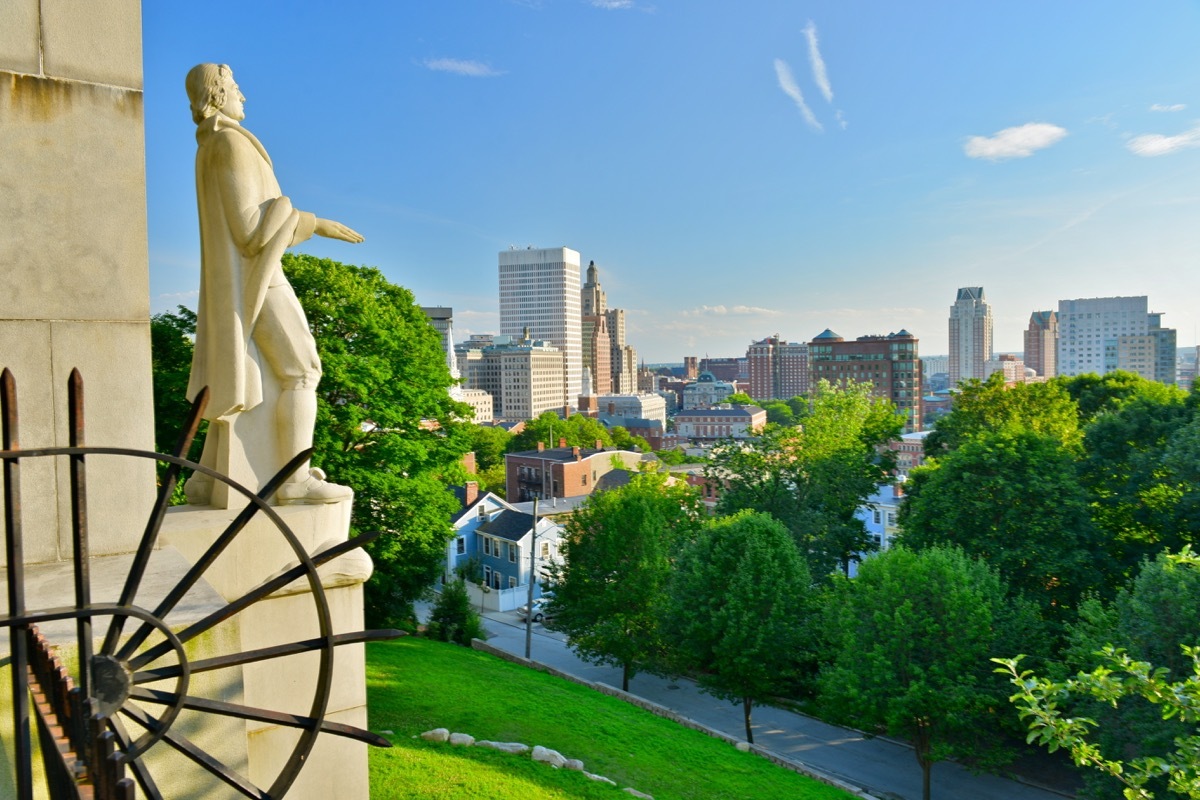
x: 970, y: 335
x: 597, y: 352
x: 1102, y: 334
x: 889, y: 363
x: 691, y: 367
x: 539, y: 290
x: 592, y: 300
x: 778, y: 369
x: 523, y: 375
x: 1041, y: 343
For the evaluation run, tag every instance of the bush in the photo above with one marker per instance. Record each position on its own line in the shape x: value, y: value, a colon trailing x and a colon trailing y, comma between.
x: 453, y: 619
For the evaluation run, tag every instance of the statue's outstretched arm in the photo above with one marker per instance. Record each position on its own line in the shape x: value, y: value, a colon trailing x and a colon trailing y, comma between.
x: 336, y: 230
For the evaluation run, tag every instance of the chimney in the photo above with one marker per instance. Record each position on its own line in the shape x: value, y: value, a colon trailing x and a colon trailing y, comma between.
x: 541, y: 446
x: 898, y: 490
x: 562, y: 442
x: 599, y: 444
x: 472, y: 493
x: 575, y: 452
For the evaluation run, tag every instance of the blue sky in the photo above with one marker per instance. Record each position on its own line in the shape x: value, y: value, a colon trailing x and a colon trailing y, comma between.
x: 735, y: 169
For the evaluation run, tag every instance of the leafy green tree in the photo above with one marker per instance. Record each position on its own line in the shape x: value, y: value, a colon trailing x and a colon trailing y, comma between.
x: 612, y: 582
x: 489, y: 443
x: 550, y: 429
x: 1094, y: 393
x: 739, y: 599
x: 916, y: 631
x: 1150, y: 620
x: 740, y: 399
x: 452, y: 618
x: 813, y: 477
x: 779, y: 413
x: 386, y: 425
x: 624, y: 440
x: 1043, y: 704
x: 1011, y: 498
x: 171, y: 345
x: 986, y: 406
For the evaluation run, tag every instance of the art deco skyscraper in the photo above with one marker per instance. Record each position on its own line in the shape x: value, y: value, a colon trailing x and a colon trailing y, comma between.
x: 1041, y: 343
x: 539, y: 290
x: 970, y: 335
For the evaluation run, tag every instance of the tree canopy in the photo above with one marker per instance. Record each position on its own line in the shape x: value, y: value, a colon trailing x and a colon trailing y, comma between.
x: 744, y: 641
x: 550, y: 429
x: 386, y: 425
x: 983, y: 406
x: 611, y: 586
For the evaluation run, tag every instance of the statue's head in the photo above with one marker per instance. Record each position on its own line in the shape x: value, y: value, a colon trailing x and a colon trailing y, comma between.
x: 210, y: 88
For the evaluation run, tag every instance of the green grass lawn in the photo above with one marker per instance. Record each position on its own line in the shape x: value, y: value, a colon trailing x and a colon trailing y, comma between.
x: 414, y: 685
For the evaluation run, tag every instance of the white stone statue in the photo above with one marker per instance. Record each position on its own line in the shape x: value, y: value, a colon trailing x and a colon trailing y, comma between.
x: 254, y: 349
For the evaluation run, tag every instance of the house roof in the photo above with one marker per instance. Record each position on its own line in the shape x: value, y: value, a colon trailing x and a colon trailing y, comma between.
x: 559, y: 453
x: 740, y: 412
x: 511, y: 525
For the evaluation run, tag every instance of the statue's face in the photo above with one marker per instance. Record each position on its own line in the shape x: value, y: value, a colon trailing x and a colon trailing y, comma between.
x: 234, y: 107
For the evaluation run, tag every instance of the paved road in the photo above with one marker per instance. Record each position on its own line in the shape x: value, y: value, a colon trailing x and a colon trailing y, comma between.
x: 883, y: 768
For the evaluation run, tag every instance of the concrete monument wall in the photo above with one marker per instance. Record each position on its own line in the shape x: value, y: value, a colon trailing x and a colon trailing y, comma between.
x: 74, y: 283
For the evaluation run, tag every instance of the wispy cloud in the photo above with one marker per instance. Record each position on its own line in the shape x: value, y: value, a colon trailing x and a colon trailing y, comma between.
x: 457, y: 66
x: 723, y: 310
x: 841, y: 120
x: 1021, y: 141
x: 820, y: 76
x: 1165, y: 107
x: 612, y: 5
x: 1155, y: 144
x: 788, y: 84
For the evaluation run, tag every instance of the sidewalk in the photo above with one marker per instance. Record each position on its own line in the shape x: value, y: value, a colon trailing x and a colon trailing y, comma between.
x: 881, y: 767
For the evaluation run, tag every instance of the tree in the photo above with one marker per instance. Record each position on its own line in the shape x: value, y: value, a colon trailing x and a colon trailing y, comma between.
x: 739, y: 599
x: 622, y: 439
x: 779, y: 413
x: 1011, y: 498
x: 452, y: 618
x: 386, y: 425
x: 739, y: 399
x: 1094, y: 393
x: 813, y: 477
x: 1042, y: 702
x: 1153, y: 619
x: 550, y: 429
x: 616, y: 562
x: 171, y: 363
x: 916, y: 630
x: 985, y: 406
x: 489, y: 443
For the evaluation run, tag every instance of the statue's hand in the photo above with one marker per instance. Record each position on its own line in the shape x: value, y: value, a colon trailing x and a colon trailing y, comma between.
x: 336, y: 230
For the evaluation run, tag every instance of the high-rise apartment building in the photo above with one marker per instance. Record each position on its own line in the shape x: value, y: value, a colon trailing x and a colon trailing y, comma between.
x: 539, y: 290
x: 1041, y: 343
x: 1102, y: 334
x: 891, y: 365
x: 970, y: 335
x: 524, y: 376
x: 778, y: 369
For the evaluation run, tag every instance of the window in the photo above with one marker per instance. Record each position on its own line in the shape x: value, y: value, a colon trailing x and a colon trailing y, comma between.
x: 487, y: 576
x: 487, y: 546
x: 891, y: 518
x: 512, y: 582
x: 545, y: 550
x: 513, y: 553
x: 878, y: 517
x: 462, y: 545
x: 496, y: 580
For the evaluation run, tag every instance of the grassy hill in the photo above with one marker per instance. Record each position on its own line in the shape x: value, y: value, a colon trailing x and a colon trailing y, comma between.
x: 415, y: 684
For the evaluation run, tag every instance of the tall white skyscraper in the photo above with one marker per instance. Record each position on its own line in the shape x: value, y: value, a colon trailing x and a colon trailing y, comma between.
x: 540, y: 290
x: 970, y: 335
x: 1102, y: 334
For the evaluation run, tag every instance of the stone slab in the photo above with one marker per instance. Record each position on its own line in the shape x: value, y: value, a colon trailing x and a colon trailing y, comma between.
x: 99, y: 41
x: 19, y: 49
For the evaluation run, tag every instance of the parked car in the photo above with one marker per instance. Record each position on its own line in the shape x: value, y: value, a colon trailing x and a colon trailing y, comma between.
x: 541, y: 611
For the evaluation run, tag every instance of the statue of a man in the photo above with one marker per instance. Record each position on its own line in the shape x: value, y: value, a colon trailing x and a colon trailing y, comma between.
x: 250, y: 327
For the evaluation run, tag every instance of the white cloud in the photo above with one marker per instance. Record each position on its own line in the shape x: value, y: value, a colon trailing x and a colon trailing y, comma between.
x: 1021, y: 141
x: 612, y: 5
x: 788, y: 84
x: 841, y: 119
x: 820, y: 76
x: 471, y: 69
x: 1165, y: 107
x: 1155, y: 144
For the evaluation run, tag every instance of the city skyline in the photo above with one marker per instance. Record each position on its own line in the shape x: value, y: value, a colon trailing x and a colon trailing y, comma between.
x: 734, y: 172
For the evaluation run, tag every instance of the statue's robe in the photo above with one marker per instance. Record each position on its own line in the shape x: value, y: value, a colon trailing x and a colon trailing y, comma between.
x: 245, y: 225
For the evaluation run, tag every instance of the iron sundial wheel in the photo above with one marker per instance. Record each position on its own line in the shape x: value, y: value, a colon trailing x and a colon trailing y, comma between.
x: 97, y: 725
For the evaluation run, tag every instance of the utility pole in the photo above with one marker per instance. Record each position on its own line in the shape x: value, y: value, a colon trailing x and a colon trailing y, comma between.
x: 529, y: 606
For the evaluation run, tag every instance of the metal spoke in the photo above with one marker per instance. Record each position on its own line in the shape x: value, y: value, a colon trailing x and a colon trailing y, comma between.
x: 214, y: 551
x: 259, y: 715
x: 136, y: 765
x: 265, y: 653
x: 150, y: 535
x: 250, y: 598
x: 185, y: 746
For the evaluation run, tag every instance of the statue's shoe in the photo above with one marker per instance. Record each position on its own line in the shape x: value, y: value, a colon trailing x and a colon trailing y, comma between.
x: 312, y: 490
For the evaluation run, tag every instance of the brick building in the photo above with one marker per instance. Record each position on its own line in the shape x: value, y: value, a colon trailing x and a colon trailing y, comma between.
x: 889, y: 363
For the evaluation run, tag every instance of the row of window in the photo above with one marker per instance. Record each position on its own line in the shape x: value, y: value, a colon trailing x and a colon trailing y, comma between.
x: 500, y: 548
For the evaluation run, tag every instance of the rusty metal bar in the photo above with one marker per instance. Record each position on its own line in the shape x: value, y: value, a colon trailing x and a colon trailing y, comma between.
x: 14, y: 551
